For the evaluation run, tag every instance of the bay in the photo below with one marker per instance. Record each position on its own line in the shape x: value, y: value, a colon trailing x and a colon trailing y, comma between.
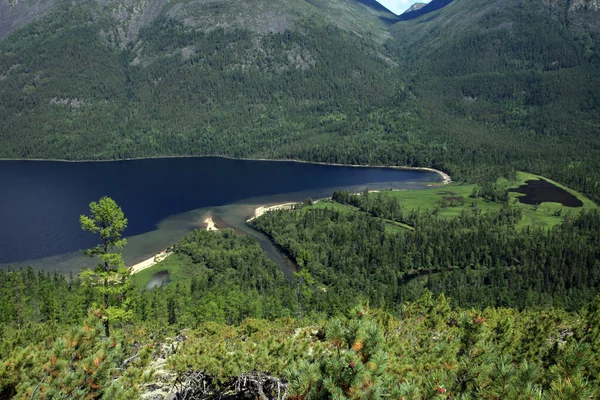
x: 163, y: 199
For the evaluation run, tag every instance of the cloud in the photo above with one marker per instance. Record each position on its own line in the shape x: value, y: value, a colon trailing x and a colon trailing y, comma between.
x: 399, y: 6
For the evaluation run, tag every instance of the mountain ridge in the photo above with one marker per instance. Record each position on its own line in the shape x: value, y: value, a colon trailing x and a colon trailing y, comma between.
x: 427, y: 8
x: 319, y: 80
x: 415, y: 7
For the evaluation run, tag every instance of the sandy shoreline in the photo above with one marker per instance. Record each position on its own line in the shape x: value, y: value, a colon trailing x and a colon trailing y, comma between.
x: 210, y: 224
x: 155, y: 259
x: 260, y: 210
x: 445, y: 177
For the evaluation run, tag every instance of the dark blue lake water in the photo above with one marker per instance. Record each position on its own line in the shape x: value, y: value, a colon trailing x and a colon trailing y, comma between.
x: 41, y: 201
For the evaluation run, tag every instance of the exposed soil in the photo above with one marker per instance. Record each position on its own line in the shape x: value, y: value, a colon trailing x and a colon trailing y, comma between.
x: 540, y: 191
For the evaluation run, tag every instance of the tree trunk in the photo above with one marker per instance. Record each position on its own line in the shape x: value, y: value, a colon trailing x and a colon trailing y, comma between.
x: 106, y: 303
x: 299, y: 302
x: 106, y: 327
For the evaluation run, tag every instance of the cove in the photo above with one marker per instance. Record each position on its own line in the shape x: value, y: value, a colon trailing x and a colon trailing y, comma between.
x: 163, y: 199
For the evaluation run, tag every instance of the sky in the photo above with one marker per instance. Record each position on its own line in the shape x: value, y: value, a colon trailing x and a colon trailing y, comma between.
x: 399, y: 6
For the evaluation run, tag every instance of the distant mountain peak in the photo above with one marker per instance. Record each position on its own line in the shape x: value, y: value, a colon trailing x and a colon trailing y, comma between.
x: 413, y: 13
x: 415, y: 7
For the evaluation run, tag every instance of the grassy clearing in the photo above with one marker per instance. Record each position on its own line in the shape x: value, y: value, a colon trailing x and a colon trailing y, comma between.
x: 390, y: 226
x: 450, y: 200
x: 174, y: 265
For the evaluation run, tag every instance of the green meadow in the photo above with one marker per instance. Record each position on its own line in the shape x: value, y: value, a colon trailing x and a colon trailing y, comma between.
x: 175, y: 265
x: 450, y: 201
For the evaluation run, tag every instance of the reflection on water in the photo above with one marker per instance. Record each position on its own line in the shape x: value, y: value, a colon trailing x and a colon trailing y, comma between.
x: 170, y: 229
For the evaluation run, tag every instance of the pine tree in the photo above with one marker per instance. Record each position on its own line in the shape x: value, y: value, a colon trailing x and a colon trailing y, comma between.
x: 110, y: 277
x: 354, y: 368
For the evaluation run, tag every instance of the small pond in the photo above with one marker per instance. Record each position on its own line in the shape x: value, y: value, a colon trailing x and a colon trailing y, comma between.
x: 541, y: 191
x: 159, y: 279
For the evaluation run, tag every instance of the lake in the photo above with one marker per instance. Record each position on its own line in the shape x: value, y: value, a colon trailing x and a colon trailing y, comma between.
x: 163, y: 199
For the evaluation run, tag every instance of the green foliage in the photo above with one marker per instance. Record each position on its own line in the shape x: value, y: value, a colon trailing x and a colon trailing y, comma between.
x: 110, y: 277
x: 494, y: 90
x: 215, y: 276
x: 476, y: 258
x: 108, y: 221
x: 353, y: 368
x: 430, y: 349
x: 76, y: 362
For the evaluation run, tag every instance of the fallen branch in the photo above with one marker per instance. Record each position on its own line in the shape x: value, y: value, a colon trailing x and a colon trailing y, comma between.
x: 249, y: 385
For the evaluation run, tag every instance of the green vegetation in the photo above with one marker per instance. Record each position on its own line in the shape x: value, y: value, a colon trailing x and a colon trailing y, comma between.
x: 387, y: 247
x: 226, y: 317
x: 321, y: 80
x: 110, y: 276
x: 452, y: 200
x: 172, y: 265
x: 480, y: 89
x: 430, y: 348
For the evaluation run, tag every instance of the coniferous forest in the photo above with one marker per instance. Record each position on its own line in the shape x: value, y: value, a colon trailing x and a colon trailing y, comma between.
x: 458, y: 292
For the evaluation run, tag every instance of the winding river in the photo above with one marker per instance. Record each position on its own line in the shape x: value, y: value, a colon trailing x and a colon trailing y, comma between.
x: 163, y: 199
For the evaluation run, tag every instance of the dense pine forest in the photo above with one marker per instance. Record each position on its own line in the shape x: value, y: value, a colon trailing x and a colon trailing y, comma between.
x: 457, y: 292
x: 236, y: 320
x: 477, y: 259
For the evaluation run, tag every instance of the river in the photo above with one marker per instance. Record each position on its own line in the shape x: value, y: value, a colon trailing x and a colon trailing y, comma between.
x: 163, y: 199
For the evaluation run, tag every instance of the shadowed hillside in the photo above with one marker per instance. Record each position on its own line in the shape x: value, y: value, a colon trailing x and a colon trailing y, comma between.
x: 427, y: 8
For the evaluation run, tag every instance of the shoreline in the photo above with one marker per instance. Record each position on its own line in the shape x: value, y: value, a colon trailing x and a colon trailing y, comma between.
x: 150, y: 262
x: 445, y: 177
x: 155, y: 259
x: 210, y: 224
x: 260, y: 210
x: 264, y: 208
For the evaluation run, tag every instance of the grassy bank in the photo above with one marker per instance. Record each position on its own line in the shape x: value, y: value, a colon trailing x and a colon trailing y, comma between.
x: 451, y: 200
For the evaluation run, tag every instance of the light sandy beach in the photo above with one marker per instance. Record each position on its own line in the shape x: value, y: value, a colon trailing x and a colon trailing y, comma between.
x: 446, y: 179
x: 149, y: 262
x: 263, y: 209
x: 155, y: 259
x: 260, y: 210
x: 210, y: 224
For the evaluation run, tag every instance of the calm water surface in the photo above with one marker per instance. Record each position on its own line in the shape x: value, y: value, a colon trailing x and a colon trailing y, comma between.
x: 163, y: 199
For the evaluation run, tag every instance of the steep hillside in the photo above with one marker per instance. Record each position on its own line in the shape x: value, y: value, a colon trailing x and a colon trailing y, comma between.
x: 495, y: 73
x: 524, y: 29
x: 14, y: 13
x: 126, y: 79
x: 261, y: 14
x: 476, y: 87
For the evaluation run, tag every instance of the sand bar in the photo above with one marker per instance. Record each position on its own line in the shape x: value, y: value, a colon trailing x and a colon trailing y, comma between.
x: 210, y: 224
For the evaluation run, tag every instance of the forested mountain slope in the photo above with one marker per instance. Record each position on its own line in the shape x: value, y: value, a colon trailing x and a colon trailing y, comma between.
x: 476, y: 88
x: 122, y: 79
x: 509, y: 82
